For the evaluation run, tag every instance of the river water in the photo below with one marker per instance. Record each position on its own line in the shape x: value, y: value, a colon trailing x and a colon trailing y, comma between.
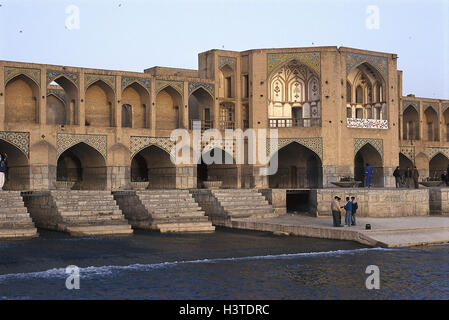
x: 226, y: 264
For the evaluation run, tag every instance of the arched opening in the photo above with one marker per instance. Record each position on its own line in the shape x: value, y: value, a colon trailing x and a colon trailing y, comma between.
x: 438, y: 165
x: 64, y: 111
x: 137, y: 98
x: 226, y: 171
x: 201, y: 108
x: 404, y: 163
x: 446, y: 124
x: 365, y: 91
x: 432, y: 124
x: 17, y: 167
x: 154, y: 165
x: 369, y: 155
x: 22, y: 100
x: 82, y: 167
x: 99, y: 105
x: 168, y: 109
x: 226, y: 86
x: 294, y: 87
x: 127, y: 116
x: 298, y: 167
x: 410, y: 127
x: 56, y: 110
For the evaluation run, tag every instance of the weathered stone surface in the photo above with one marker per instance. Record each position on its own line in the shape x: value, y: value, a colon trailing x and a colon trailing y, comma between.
x: 15, y: 221
x: 80, y: 213
x: 163, y: 210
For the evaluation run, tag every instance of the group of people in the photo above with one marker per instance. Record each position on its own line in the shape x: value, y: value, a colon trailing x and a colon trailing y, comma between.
x: 409, y: 179
x: 3, y: 162
x: 350, y: 208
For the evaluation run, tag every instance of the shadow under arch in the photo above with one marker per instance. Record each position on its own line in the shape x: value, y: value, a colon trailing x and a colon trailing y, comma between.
x: 369, y: 155
x: 226, y: 171
x: 153, y: 165
x: 82, y: 167
x: 18, y: 168
x: 298, y: 167
x: 438, y: 165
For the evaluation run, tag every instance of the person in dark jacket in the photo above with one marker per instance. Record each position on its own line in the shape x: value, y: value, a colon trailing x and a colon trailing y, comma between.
x: 397, y: 177
x: 408, y: 177
x: 355, y: 206
x: 2, y: 172
x: 415, y: 177
x: 348, y: 208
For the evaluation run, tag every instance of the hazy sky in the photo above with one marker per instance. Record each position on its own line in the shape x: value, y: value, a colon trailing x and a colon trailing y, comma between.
x: 134, y: 34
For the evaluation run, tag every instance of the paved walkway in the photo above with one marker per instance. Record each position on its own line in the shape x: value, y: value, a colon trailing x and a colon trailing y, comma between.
x: 385, y: 232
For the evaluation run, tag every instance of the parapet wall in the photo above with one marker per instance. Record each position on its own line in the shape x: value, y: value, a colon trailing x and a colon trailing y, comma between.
x: 439, y: 201
x: 374, y: 202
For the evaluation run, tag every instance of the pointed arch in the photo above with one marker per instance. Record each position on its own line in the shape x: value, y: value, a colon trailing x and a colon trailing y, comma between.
x: 369, y: 154
x: 438, y: 165
x: 22, y: 99
x: 100, y: 104
x: 201, y: 108
x: 138, y: 98
x: 82, y: 165
x: 18, y: 169
x: 169, y: 108
x: 298, y: 167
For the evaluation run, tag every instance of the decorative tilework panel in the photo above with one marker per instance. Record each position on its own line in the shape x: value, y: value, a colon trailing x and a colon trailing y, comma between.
x: 407, y: 103
x: 433, y: 151
x: 366, y: 123
x: 311, y: 59
x: 355, y: 59
x: 232, y: 62
x: 126, y: 81
x: 409, y: 152
x: 444, y: 107
x: 378, y: 144
x: 98, y: 142
x: 433, y: 105
x: 11, y: 72
x: 177, y: 85
x: 314, y: 144
x: 21, y: 140
x: 209, y: 87
x: 58, y: 93
x: 91, y: 78
x: 52, y: 75
x: 137, y: 144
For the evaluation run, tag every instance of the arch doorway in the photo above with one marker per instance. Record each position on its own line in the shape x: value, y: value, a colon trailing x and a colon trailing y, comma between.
x: 82, y: 167
x: 18, y: 169
x: 438, y: 165
x: 226, y: 171
x: 299, y: 167
x: 154, y: 165
x: 369, y: 155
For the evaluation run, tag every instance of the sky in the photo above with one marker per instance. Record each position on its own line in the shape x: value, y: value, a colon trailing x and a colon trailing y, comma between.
x: 133, y: 35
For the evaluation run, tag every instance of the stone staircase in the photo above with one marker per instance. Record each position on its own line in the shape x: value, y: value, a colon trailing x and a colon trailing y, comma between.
x: 226, y: 205
x: 80, y: 213
x: 15, y: 221
x: 163, y: 210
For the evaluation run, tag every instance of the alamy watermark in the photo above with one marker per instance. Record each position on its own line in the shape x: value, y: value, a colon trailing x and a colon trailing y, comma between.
x: 260, y: 149
x: 372, y: 21
x: 72, y: 22
x: 73, y: 280
x: 373, y: 280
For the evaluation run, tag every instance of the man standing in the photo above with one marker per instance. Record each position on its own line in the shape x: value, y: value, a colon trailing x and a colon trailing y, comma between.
x: 348, y: 216
x: 2, y: 172
x: 415, y: 177
x: 355, y: 206
x: 408, y: 177
x: 336, y: 211
x: 368, y: 175
x: 397, y: 177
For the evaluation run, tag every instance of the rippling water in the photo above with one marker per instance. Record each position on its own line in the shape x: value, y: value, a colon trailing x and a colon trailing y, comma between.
x: 224, y: 265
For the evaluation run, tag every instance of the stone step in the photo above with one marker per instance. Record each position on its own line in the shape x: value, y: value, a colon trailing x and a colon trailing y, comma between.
x: 255, y: 216
x: 185, y: 217
x: 163, y: 191
x: 185, y: 227
x: 18, y: 233
x: 248, y: 204
x: 241, y: 197
x: 77, y: 213
x: 13, y: 210
x: 11, y: 225
x: 110, y: 207
x: 99, y: 230
x: 84, y: 202
x: 249, y: 211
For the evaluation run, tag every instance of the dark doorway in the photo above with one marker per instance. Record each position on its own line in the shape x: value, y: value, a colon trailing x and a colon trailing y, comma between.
x: 298, y: 201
